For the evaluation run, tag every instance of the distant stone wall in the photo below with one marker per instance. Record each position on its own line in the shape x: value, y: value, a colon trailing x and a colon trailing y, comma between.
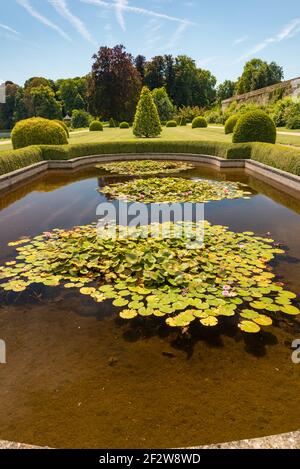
x: 265, y: 95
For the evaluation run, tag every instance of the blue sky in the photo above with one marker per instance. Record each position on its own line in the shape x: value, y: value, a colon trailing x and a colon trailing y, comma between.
x: 56, y: 38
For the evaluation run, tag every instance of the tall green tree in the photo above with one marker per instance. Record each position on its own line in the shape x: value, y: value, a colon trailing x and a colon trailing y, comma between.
x: 146, y: 122
x: 163, y: 103
x: 169, y: 74
x: 20, y: 110
x: 206, y: 91
x: 44, y: 103
x: 140, y: 65
x: 114, y: 84
x: 155, y: 73
x: 186, y: 81
x: 72, y: 93
x: 225, y: 90
x: 258, y: 74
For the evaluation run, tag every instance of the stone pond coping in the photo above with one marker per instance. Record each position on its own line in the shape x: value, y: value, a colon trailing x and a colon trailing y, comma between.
x: 284, y: 441
x: 282, y: 179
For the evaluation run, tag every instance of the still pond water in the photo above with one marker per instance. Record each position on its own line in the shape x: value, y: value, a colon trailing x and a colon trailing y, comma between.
x: 77, y: 376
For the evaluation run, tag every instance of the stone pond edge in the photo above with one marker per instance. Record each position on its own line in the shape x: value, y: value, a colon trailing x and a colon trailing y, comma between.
x: 283, y: 179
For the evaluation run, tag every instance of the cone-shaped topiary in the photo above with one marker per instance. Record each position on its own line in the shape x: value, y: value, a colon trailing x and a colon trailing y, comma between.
x: 38, y: 131
x: 254, y: 126
x: 146, y: 122
x: 199, y: 122
x: 231, y: 123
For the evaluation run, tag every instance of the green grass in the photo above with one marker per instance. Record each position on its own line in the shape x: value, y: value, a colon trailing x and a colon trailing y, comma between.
x: 178, y: 133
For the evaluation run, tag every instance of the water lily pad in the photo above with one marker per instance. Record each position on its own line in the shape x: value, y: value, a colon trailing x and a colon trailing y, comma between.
x: 291, y: 310
x: 249, y: 327
x: 128, y: 314
x: 120, y: 302
x: 169, y: 190
x: 263, y: 320
x: 145, y: 167
x: 209, y: 322
x: 160, y: 276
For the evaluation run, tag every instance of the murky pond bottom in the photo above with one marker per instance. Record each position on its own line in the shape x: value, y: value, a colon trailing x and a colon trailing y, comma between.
x: 77, y: 376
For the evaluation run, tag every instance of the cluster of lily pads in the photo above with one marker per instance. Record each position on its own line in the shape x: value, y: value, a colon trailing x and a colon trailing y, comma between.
x: 229, y: 276
x: 137, y: 168
x: 173, y: 190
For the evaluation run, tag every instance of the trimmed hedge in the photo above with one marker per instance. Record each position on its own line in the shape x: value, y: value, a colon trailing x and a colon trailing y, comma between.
x: 231, y: 123
x: 37, y: 131
x: 96, y: 126
x: 199, y: 123
x: 63, y: 125
x: 221, y: 149
x: 277, y: 156
x: 11, y: 160
x: 124, y: 125
x: 254, y: 126
x: 171, y: 124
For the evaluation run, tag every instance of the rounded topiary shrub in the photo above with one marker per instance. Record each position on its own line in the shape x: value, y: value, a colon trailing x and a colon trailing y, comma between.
x: 124, y: 125
x: 254, y: 126
x: 96, y: 126
x: 38, y: 131
x: 199, y: 122
x: 63, y: 125
x: 171, y: 124
x: 231, y: 123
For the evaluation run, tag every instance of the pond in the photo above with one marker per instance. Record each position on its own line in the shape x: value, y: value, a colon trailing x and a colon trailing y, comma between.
x: 79, y: 376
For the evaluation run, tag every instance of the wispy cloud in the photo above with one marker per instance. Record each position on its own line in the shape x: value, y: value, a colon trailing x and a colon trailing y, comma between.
x: 175, y: 38
x: 8, y: 28
x: 137, y: 10
x: 204, y: 62
x: 120, y: 6
x: 240, y: 40
x: 62, y: 8
x: 288, y: 31
x: 42, y: 19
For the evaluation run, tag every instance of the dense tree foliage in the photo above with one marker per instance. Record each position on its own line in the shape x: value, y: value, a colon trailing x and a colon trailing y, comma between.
x: 163, y: 103
x: 73, y: 93
x: 258, y: 74
x: 114, y: 84
x: 225, y: 90
x: 111, y: 91
x: 140, y: 65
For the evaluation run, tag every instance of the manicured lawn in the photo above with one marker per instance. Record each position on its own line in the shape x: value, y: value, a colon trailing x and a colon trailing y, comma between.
x: 178, y: 133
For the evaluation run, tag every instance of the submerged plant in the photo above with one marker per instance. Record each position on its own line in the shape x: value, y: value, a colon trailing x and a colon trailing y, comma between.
x: 145, y: 167
x: 146, y: 275
x: 175, y: 190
